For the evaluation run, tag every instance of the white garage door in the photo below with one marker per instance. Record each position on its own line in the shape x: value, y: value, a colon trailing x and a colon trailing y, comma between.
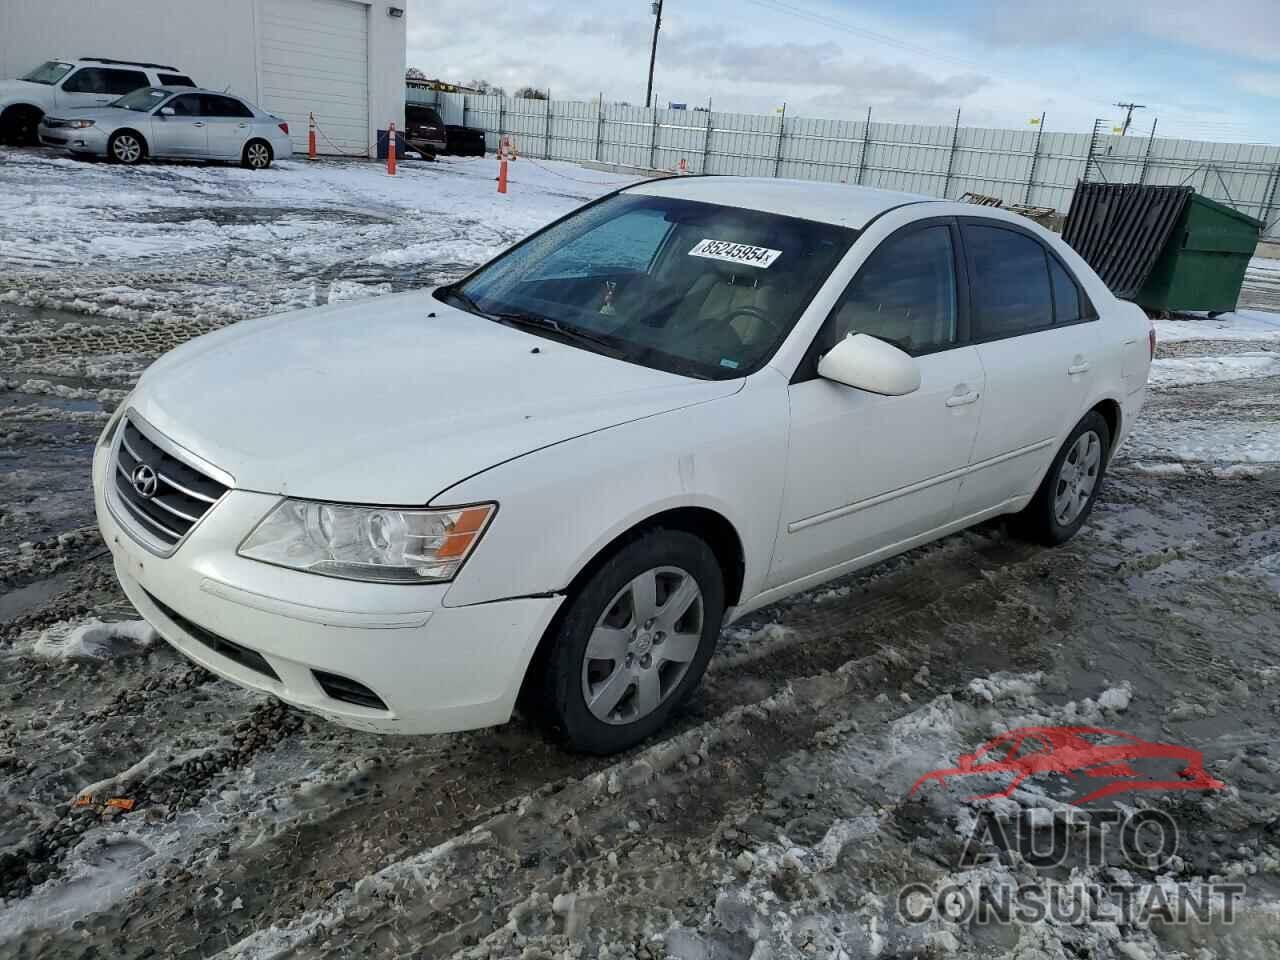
x: 315, y: 59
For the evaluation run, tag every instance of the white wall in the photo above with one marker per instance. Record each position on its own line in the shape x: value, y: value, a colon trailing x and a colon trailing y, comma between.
x: 214, y: 41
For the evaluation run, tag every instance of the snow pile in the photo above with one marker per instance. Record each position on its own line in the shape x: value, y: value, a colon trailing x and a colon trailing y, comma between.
x: 1186, y: 371
x: 1248, y: 325
x: 94, y: 640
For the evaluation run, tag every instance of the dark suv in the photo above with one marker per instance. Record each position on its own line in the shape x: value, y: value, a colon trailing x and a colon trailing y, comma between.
x: 426, y: 133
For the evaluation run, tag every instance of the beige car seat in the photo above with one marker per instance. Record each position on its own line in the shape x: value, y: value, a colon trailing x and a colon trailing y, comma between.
x: 718, y: 293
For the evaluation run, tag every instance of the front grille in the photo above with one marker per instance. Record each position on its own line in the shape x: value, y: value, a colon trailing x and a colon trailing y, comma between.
x: 179, y: 493
x: 348, y: 690
x: 54, y: 122
x: 247, y: 658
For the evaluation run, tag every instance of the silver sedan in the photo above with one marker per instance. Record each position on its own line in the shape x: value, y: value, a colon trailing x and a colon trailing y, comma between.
x: 172, y: 123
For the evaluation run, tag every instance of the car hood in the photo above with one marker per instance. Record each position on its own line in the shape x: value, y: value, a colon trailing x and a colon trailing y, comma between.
x: 390, y: 400
x: 10, y: 87
x: 99, y: 115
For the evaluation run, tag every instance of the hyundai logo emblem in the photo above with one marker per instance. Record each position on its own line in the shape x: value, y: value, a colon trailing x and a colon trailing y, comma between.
x: 144, y: 480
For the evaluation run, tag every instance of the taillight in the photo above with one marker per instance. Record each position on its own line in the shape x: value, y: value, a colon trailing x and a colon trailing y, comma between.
x: 284, y: 128
x: 1151, y: 341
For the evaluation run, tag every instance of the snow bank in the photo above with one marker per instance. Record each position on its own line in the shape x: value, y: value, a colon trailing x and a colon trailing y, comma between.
x: 1240, y: 325
x: 1185, y: 371
x: 94, y: 640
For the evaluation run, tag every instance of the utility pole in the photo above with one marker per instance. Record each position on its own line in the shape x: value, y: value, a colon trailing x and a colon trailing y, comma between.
x: 656, y: 8
x: 1128, y: 116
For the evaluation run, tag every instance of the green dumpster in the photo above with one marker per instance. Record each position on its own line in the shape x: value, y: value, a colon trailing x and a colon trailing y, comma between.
x: 1165, y: 248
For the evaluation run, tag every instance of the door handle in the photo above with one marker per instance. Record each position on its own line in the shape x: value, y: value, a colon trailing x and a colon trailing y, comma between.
x: 1080, y: 366
x: 198, y: 123
x: 242, y: 125
x: 960, y: 399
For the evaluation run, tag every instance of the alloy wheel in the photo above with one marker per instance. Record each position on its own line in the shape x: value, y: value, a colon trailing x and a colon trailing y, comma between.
x: 642, y: 645
x: 259, y: 156
x: 126, y: 148
x: 1077, y: 477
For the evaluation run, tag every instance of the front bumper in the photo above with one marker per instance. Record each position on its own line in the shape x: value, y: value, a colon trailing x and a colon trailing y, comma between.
x: 89, y: 140
x: 435, y: 668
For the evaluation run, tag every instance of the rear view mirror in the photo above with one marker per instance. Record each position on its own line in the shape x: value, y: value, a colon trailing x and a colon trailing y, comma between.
x: 869, y: 364
x: 168, y: 112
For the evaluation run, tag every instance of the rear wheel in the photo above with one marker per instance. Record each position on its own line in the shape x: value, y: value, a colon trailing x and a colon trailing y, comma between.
x: 631, y: 644
x: 126, y: 147
x: 257, y: 155
x: 1070, y: 487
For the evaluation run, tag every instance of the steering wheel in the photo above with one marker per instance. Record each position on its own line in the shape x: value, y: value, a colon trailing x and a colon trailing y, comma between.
x: 755, y: 312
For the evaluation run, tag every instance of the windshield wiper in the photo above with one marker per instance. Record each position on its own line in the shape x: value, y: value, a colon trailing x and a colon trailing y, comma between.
x: 453, y: 293
x: 533, y: 321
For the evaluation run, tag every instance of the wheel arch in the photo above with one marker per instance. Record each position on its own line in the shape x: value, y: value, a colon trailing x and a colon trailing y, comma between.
x: 713, y: 527
x: 1111, y: 411
x: 142, y: 138
x: 271, y: 151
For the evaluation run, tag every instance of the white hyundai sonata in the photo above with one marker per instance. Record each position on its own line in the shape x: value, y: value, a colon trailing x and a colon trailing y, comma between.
x: 557, y: 479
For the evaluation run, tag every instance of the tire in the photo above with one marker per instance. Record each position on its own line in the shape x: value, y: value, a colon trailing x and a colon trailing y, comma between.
x: 126, y: 147
x: 644, y: 687
x: 1067, y: 493
x: 256, y: 155
x: 18, y: 126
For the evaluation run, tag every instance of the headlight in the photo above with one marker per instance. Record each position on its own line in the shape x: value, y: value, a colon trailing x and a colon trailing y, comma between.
x: 109, y: 430
x: 79, y: 124
x: 382, y: 544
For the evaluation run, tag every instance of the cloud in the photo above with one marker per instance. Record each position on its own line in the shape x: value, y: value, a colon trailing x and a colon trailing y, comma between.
x: 1249, y: 28
x: 1259, y: 83
x: 575, y: 55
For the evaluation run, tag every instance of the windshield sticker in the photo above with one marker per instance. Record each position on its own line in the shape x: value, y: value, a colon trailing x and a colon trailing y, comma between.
x: 730, y: 252
x: 731, y: 364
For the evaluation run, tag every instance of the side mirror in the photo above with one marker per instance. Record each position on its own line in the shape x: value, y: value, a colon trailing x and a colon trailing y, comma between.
x: 869, y: 364
x: 168, y: 112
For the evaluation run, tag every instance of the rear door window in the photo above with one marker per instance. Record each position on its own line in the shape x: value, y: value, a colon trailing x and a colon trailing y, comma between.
x: 103, y: 80
x: 1009, y: 282
x: 1066, y: 295
x: 216, y: 106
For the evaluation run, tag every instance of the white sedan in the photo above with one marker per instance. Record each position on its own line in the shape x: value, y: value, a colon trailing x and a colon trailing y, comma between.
x: 557, y: 480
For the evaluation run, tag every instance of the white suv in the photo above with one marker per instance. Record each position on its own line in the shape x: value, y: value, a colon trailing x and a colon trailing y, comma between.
x: 64, y: 84
x: 562, y: 475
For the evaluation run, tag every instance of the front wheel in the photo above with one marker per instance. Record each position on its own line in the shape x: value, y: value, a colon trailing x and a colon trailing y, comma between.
x: 632, y: 643
x: 257, y: 155
x: 1070, y: 487
x: 127, y: 148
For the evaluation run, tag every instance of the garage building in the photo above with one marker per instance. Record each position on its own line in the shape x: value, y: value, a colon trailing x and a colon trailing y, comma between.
x: 344, y: 60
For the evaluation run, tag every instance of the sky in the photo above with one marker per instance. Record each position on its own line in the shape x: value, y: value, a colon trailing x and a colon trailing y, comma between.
x: 1207, y: 70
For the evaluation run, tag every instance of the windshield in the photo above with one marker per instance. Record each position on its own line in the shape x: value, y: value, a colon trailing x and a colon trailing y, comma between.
x: 142, y: 100
x: 692, y: 288
x: 51, y: 71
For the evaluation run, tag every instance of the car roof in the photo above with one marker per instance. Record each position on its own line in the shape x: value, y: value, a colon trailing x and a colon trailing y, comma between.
x: 180, y: 88
x: 108, y: 62
x: 842, y: 204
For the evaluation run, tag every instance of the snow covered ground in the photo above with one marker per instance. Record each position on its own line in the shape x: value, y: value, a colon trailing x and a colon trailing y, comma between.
x: 773, y: 820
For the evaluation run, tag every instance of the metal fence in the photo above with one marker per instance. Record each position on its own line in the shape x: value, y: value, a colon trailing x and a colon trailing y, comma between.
x: 1020, y: 166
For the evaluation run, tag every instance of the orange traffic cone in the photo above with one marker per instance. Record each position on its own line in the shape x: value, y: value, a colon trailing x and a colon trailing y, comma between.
x: 311, y: 136
x: 391, y: 149
x: 502, y: 175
